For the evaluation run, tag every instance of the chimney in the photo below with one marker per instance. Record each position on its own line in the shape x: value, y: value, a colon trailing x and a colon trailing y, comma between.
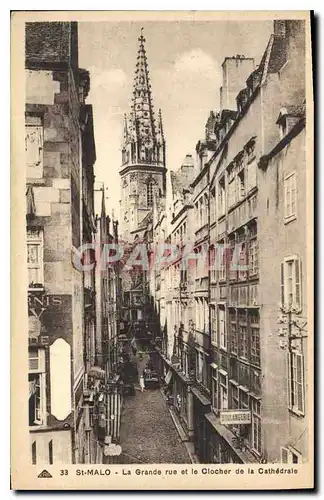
x: 187, y: 170
x: 236, y: 71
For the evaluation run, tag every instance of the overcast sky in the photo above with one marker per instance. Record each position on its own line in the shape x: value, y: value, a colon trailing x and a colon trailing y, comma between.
x: 184, y: 60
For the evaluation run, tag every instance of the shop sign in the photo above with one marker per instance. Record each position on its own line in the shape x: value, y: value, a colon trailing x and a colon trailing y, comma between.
x: 235, y: 417
x: 38, y: 304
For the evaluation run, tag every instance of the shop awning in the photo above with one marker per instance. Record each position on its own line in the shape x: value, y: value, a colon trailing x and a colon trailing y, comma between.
x: 168, y: 377
x: 205, y: 401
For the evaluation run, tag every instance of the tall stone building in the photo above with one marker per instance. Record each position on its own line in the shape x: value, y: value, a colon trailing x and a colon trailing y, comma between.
x: 67, y: 419
x: 143, y: 170
x: 143, y: 185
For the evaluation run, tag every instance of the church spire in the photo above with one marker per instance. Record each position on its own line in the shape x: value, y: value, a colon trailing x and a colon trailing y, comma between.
x: 143, y: 139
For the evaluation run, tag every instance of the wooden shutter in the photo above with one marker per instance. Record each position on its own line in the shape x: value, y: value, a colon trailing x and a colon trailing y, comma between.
x: 289, y: 354
x: 284, y: 455
x: 282, y: 283
x: 300, y: 382
x: 286, y: 196
x: 298, y: 301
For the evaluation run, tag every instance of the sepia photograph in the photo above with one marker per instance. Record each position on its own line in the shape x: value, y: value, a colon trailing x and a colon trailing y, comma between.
x: 167, y: 260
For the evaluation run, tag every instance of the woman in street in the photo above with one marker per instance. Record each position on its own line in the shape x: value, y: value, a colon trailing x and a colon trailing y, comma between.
x: 142, y: 383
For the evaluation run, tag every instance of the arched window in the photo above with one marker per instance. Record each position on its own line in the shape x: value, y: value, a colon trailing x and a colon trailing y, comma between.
x: 149, y: 193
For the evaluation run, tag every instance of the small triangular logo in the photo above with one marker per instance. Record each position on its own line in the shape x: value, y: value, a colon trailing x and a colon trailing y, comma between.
x: 45, y: 473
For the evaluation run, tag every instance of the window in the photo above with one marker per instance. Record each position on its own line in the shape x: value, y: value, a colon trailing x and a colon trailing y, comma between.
x: 296, y: 382
x: 222, y: 327
x: 291, y: 283
x: 290, y: 197
x: 231, y: 193
x: 221, y: 261
x: 212, y: 260
x: 252, y: 175
x: 213, y: 321
x: 37, y: 394
x: 243, y: 336
x: 215, y: 389
x: 256, y: 425
x: 223, y: 386
x: 34, y: 146
x: 213, y: 209
x: 35, y: 256
x: 235, y: 397
x: 242, y: 261
x: 149, y: 193
x: 199, y: 366
x: 290, y: 456
x: 221, y: 196
x: 254, y: 257
x: 233, y: 331
x: 255, y: 339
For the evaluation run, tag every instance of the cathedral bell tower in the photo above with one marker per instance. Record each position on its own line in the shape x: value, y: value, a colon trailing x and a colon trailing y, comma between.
x: 143, y: 170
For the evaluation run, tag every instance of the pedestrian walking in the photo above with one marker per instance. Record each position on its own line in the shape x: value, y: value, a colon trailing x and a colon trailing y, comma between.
x: 142, y: 383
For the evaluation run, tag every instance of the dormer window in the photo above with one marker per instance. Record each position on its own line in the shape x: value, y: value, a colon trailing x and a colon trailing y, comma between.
x: 288, y: 117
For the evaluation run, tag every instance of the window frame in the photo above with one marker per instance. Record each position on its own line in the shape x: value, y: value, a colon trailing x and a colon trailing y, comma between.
x: 39, y: 243
x: 39, y: 374
x: 290, y: 192
x: 256, y: 420
x: 293, y: 384
x: 296, y: 283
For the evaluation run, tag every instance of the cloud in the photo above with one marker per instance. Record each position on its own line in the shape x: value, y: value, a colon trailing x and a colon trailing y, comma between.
x: 196, y: 61
x: 107, y: 79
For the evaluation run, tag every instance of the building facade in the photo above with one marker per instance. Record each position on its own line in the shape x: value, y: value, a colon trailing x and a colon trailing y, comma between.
x: 67, y: 327
x: 241, y: 395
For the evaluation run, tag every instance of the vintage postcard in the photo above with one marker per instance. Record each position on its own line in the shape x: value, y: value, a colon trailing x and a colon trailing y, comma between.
x: 162, y: 250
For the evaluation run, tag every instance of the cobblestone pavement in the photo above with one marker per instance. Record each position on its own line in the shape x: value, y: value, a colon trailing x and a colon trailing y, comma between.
x: 148, y: 434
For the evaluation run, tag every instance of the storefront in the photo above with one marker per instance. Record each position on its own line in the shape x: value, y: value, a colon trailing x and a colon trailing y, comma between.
x: 201, y: 406
x: 223, y: 446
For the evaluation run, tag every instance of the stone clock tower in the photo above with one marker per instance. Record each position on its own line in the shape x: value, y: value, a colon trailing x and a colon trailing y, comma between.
x: 143, y: 170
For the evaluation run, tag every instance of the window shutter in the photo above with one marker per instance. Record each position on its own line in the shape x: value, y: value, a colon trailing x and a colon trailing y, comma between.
x: 289, y: 354
x: 284, y: 455
x: 285, y: 197
x: 300, y: 382
x: 298, y: 302
x: 282, y: 283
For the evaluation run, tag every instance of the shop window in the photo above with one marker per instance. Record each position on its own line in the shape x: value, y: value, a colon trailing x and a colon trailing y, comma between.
x: 256, y: 425
x: 37, y: 388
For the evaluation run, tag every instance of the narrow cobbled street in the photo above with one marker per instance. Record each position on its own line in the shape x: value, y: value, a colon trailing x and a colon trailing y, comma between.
x: 148, y: 434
